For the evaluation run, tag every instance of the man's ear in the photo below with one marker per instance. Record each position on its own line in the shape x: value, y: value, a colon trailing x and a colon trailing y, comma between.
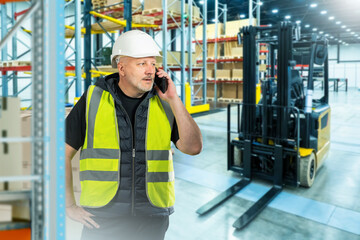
x: 121, y: 69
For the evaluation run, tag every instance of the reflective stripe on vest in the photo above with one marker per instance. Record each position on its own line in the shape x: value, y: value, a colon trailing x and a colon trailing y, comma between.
x: 100, y: 154
x: 160, y: 176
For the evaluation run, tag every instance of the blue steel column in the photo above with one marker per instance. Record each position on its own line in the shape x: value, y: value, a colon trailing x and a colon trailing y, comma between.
x: 190, y: 7
x: 14, y: 51
x: 215, y: 49
x: 38, y: 212
x: 224, y: 17
x: 204, y: 51
x: 128, y: 14
x: 250, y: 12
x: 4, y: 49
x: 54, y: 79
x: 182, y: 53
x: 164, y: 34
x: 78, y: 91
x: 87, y: 43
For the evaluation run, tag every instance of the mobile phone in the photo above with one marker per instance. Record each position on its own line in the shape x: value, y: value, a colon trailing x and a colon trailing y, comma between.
x: 161, y: 82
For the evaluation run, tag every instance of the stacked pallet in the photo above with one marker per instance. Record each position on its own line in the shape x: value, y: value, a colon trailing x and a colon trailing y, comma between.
x: 155, y: 8
x: 14, y: 63
x: 174, y: 58
x: 115, y: 7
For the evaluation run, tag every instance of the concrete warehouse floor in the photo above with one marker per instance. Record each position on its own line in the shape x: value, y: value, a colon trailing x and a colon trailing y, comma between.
x: 330, y: 209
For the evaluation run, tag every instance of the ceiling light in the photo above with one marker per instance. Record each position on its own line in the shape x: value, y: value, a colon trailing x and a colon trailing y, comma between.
x: 213, y: 20
x: 269, y: 25
x: 335, y: 39
x: 307, y: 25
x: 343, y: 26
x: 321, y: 32
x: 348, y: 30
x: 201, y: 2
x: 338, y: 22
x: 298, y: 21
x: 331, y: 37
x: 260, y: 3
x: 352, y: 33
x: 313, y: 5
x: 242, y: 16
x: 314, y: 29
x: 275, y: 11
x: 340, y: 41
x: 356, y: 35
x: 266, y: 34
x: 287, y: 17
x: 326, y: 35
x: 323, y: 12
x: 331, y: 18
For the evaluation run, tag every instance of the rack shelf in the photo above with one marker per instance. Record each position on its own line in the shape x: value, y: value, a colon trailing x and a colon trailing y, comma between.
x: 222, y: 60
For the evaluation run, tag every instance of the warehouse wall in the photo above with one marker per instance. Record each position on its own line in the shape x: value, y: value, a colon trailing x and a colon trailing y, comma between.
x: 343, y: 69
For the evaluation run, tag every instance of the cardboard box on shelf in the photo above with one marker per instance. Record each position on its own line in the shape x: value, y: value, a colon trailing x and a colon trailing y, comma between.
x: 21, y: 209
x: 173, y: 5
x: 134, y: 3
x: 210, y: 31
x: 262, y: 57
x: 174, y: 58
x: 237, y: 51
x: 10, y: 153
x: 262, y: 67
x: 223, y: 74
x: 237, y: 74
x: 228, y: 48
x: 232, y: 28
x: 230, y: 65
x: 26, y: 119
x: 229, y: 90
x: 5, y: 213
x: 210, y: 92
x: 263, y: 48
x: 240, y: 90
x: 211, y: 50
x: 199, y: 74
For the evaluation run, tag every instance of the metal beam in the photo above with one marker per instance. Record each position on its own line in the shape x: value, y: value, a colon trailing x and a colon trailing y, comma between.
x: 78, y: 90
x: 52, y: 107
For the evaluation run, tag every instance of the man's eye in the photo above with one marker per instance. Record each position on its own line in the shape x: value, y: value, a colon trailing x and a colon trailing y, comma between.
x: 141, y: 64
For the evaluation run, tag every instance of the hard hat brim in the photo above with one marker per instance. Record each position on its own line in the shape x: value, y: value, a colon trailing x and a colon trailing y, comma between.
x: 114, y: 64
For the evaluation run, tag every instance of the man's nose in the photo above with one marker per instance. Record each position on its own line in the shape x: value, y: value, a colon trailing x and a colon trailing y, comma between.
x: 150, y: 69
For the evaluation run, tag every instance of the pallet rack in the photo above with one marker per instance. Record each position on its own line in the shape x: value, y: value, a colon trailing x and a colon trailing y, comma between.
x: 48, y: 183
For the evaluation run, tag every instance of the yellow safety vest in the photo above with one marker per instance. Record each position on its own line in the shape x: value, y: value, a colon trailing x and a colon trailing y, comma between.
x: 100, y: 156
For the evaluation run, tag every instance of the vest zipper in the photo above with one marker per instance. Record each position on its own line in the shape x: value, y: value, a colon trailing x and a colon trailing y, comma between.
x: 133, y: 161
x: 133, y: 155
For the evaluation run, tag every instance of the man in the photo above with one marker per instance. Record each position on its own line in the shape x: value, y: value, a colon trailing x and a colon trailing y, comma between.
x: 124, y: 127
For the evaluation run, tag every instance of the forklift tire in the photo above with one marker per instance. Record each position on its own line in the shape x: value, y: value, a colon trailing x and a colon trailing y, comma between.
x: 307, y: 170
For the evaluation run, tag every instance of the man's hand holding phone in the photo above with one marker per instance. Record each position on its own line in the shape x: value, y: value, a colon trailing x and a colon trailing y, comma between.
x: 164, y: 85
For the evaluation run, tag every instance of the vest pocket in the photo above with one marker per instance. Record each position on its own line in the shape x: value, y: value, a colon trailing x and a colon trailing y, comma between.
x: 161, y: 194
x: 97, y: 193
x: 160, y: 180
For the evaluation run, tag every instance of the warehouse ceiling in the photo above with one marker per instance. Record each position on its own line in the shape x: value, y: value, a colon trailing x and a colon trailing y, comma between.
x: 338, y: 20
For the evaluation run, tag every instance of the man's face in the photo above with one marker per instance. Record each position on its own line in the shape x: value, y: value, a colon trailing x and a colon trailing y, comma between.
x: 139, y: 72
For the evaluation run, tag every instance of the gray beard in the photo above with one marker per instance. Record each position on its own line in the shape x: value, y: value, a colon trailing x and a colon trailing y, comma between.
x: 144, y: 89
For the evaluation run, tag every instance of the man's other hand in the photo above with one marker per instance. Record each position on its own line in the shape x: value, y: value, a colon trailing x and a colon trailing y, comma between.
x: 80, y: 215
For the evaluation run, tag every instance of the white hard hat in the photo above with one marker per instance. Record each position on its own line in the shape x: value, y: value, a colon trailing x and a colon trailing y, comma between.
x: 136, y: 44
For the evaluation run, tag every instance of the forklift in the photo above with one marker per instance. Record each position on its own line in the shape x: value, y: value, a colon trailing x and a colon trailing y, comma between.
x: 285, y: 137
